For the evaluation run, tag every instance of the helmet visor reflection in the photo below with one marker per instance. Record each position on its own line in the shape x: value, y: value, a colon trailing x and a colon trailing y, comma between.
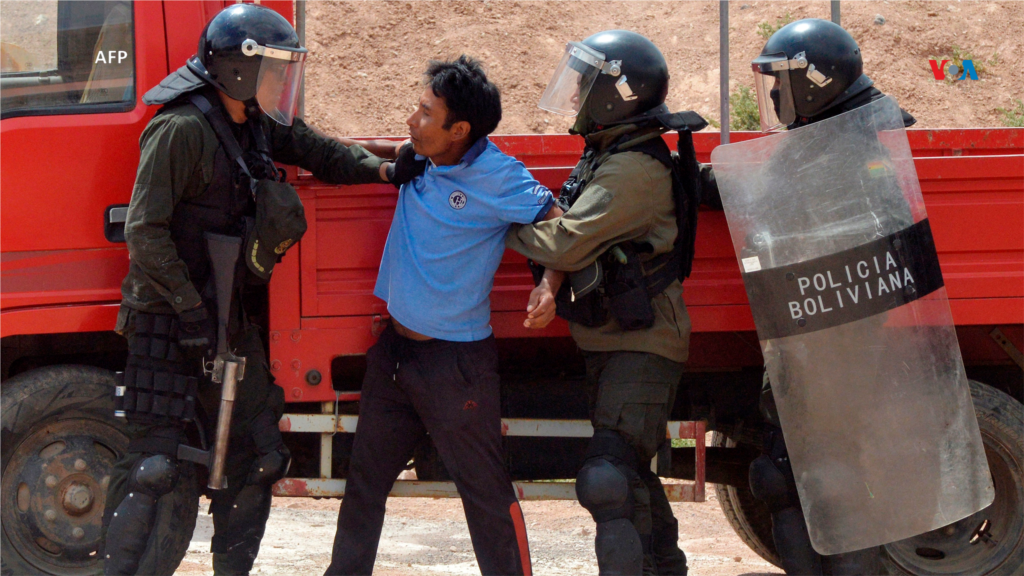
x: 774, y: 95
x: 572, y: 79
x: 278, y: 87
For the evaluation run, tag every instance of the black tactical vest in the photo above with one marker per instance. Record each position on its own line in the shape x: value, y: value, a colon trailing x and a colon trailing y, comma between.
x: 629, y: 280
x: 226, y: 204
x: 221, y: 209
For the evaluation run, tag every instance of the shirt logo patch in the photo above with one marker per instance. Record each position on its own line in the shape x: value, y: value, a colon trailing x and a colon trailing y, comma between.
x: 457, y: 200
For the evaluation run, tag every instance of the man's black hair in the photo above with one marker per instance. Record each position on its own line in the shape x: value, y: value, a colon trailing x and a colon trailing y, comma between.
x: 467, y: 93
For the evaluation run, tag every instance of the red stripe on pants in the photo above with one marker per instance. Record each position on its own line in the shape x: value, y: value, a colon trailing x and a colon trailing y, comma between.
x: 524, y: 546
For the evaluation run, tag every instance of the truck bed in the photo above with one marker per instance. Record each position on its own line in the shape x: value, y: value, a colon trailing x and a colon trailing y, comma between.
x: 322, y: 306
x: 973, y: 185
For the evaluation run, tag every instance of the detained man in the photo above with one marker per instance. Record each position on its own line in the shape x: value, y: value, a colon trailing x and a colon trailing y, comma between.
x: 435, y: 367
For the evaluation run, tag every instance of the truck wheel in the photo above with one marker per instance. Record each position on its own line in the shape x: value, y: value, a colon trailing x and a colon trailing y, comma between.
x: 992, y: 540
x: 59, y: 443
x: 747, y: 515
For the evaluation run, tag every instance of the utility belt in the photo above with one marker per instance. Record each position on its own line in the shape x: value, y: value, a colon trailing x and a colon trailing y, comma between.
x: 621, y: 284
x: 618, y: 285
x: 158, y: 384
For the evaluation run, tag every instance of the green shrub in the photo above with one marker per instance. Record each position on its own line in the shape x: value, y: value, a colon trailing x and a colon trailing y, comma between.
x: 765, y: 30
x: 743, y: 113
x: 1013, y: 117
x: 960, y: 54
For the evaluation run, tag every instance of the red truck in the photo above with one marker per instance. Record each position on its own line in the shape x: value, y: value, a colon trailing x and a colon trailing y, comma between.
x: 71, y: 87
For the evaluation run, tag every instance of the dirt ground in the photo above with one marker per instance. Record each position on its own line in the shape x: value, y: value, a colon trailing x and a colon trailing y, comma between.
x: 364, y: 73
x: 425, y: 536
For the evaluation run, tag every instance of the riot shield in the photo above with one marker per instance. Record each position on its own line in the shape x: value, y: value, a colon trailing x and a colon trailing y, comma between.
x: 837, y: 257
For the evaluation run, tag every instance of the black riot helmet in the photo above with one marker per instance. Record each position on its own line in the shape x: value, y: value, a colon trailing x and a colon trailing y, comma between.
x: 252, y: 54
x: 612, y: 77
x: 805, y: 68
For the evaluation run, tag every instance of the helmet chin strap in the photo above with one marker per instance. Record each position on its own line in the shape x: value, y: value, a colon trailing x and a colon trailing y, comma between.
x: 252, y: 109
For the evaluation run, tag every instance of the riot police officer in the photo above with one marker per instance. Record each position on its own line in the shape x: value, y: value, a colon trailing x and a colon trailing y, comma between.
x: 207, y: 166
x: 808, y: 71
x: 626, y: 237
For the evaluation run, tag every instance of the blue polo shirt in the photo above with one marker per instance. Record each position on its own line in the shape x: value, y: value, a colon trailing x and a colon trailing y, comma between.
x: 447, y: 239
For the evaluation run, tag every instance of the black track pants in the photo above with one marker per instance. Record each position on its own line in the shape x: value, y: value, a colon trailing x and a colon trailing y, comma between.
x: 451, y: 390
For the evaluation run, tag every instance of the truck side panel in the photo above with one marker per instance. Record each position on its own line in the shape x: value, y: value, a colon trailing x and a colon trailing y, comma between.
x: 976, y: 204
x: 60, y: 174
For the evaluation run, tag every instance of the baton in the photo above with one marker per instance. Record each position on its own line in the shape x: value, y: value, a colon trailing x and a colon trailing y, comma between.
x: 227, y: 369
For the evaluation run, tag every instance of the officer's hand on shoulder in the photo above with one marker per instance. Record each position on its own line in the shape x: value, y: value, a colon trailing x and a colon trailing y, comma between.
x: 406, y: 166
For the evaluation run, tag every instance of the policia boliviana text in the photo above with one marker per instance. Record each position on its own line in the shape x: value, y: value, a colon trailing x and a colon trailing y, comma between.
x: 810, y: 70
x: 206, y: 167
x: 626, y: 238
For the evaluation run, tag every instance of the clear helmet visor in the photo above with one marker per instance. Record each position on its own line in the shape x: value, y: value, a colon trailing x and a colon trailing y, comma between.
x: 774, y: 94
x: 279, y: 83
x: 572, y: 79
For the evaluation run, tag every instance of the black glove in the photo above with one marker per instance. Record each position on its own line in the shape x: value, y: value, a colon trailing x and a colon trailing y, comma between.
x: 197, y: 329
x: 406, y: 166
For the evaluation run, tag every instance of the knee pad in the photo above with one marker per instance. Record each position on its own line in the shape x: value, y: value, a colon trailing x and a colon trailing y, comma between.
x: 132, y: 521
x: 154, y: 476
x: 769, y: 484
x: 274, y: 457
x: 270, y: 468
x: 604, y: 490
x: 603, y: 484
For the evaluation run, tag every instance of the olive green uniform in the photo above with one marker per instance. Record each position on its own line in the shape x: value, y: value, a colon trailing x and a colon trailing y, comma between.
x: 629, y: 198
x: 179, y: 151
x: 177, y: 163
x: 632, y: 376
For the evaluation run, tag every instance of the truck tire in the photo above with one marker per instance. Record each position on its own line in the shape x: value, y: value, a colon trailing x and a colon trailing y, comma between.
x: 997, y: 532
x: 59, y: 442
x: 747, y: 515
x: 999, y: 546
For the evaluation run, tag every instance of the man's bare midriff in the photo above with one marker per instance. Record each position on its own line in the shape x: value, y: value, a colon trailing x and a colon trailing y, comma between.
x: 407, y: 333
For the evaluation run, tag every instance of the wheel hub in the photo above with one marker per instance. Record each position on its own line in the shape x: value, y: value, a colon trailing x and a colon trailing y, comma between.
x: 55, y: 486
x: 978, y: 544
x: 78, y: 499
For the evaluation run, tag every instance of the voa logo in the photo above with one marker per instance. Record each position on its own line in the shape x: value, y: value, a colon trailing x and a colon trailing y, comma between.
x: 953, y: 72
